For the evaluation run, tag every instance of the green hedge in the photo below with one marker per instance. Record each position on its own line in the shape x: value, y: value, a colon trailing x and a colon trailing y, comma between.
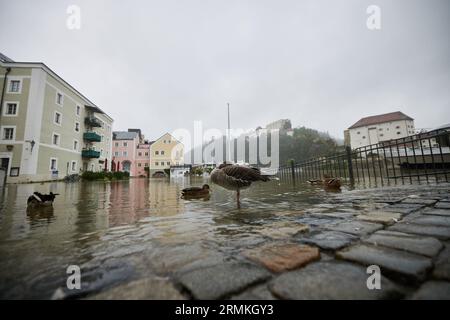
x: 118, y: 175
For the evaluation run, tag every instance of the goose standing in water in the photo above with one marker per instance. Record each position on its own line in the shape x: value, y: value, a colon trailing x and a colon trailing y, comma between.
x: 236, y: 177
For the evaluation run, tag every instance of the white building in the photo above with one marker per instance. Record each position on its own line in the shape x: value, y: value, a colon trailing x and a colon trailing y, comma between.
x: 383, y: 127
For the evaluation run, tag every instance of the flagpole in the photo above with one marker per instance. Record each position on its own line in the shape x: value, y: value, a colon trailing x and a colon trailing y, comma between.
x: 229, y: 140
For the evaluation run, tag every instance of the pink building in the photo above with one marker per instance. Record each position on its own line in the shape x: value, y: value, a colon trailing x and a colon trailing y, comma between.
x: 130, y: 152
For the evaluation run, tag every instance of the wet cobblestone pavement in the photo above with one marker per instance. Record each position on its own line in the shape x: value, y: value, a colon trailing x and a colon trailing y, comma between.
x: 324, y: 252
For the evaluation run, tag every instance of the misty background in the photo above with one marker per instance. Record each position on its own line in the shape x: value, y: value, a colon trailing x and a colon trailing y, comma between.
x: 160, y: 65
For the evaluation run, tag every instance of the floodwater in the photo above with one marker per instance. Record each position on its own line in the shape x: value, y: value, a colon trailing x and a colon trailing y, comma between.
x: 125, y: 230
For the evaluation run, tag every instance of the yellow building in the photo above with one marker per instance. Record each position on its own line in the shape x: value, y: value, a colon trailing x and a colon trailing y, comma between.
x: 165, y: 152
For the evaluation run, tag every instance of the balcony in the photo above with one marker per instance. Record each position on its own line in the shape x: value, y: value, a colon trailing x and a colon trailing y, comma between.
x: 92, y: 136
x: 92, y: 122
x: 90, y: 153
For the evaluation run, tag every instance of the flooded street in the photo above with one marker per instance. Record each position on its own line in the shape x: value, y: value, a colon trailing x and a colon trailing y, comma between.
x: 123, y: 230
x: 127, y: 230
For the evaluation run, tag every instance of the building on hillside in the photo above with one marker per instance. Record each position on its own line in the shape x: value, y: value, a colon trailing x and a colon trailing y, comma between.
x: 165, y: 152
x: 131, y: 152
x: 380, y: 128
x: 48, y: 129
x: 282, y: 125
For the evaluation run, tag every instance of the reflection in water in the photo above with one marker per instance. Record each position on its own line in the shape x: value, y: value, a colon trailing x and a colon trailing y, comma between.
x: 120, y: 230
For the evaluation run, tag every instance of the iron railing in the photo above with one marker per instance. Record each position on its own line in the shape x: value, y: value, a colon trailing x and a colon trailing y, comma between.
x: 423, y: 157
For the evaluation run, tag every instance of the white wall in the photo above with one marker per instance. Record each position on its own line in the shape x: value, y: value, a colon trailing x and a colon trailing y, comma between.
x: 360, y: 137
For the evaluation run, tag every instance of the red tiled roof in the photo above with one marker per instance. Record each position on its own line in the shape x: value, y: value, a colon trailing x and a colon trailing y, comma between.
x: 387, y: 117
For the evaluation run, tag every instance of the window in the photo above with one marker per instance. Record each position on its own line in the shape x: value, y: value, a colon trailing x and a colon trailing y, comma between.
x: 164, y: 141
x: 116, y: 144
x: 168, y: 163
x: 59, y: 98
x: 56, y: 139
x: 101, y: 152
x: 381, y: 135
x: 146, y: 165
x: 14, y: 86
x: 73, y: 166
x: 125, y: 153
x: 168, y: 141
x: 358, y: 132
x: 14, y: 172
x: 146, y: 154
x: 139, y: 164
x: 57, y: 118
x: 398, y: 132
x: 78, y: 110
x: 77, y: 127
x: 162, y: 152
x: 8, y: 133
x: 75, y: 145
x: 125, y: 144
x: 364, y: 137
x: 397, y: 127
x: 140, y: 154
x: 156, y: 152
x: 53, y: 164
x: 156, y: 163
x: 381, y: 129
x: 11, y: 109
x: 116, y: 153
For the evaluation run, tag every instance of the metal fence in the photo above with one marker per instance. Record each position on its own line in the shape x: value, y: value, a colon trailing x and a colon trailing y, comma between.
x: 424, y: 157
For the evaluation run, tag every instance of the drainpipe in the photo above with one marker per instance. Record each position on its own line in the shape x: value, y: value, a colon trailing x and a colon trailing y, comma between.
x: 8, y: 70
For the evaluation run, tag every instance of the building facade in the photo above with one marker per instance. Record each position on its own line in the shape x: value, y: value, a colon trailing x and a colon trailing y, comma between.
x: 165, y: 152
x: 131, y: 152
x: 384, y: 127
x: 47, y: 128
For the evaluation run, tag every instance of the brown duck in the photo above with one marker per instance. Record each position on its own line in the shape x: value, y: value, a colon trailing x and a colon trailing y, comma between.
x: 236, y: 177
x: 195, y: 191
x: 328, y: 182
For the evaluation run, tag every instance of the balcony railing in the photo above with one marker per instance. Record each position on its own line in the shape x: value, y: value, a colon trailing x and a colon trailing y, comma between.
x: 92, y: 122
x: 90, y: 153
x: 92, y: 136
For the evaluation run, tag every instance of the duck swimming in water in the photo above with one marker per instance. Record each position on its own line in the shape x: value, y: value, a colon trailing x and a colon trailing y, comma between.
x: 195, y: 191
x: 38, y: 199
x: 236, y: 177
x: 328, y: 182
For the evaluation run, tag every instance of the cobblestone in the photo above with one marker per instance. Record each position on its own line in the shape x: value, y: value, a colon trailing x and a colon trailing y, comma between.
x: 330, y: 280
x: 425, y: 246
x: 426, y: 230
x: 437, y: 212
x: 403, y: 208
x: 386, y: 218
x: 406, y: 266
x: 144, y: 289
x: 358, y: 228
x: 221, y: 280
x: 330, y: 240
x: 260, y: 292
x: 278, y: 257
x: 433, y: 290
x: 432, y: 220
x: 426, y: 202
x: 283, y: 230
x: 442, y: 205
x: 442, y: 264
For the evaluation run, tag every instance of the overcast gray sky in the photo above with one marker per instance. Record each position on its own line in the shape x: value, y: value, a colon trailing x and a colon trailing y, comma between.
x: 160, y: 65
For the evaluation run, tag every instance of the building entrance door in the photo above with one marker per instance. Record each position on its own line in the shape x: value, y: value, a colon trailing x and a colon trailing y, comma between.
x: 373, y: 136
